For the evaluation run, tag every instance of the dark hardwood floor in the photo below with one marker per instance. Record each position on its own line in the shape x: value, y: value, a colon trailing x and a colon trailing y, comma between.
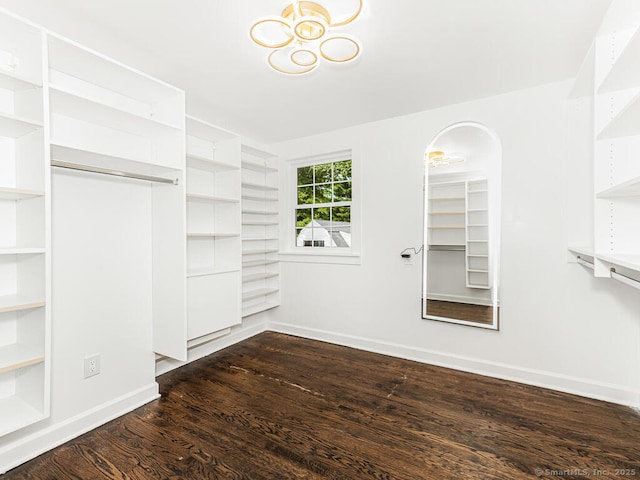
x: 281, y: 407
x: 461, y: 311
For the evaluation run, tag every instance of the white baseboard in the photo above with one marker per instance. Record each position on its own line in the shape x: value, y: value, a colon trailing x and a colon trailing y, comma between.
x: 47, y: 438
x: 164, y: 364
x: 563, y: 383
x: 443, y: 297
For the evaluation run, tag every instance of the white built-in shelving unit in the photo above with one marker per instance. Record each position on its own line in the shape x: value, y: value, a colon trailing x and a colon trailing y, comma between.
x: 104, y: 115
x: 605, y: 109
x: 458, y: 220
x: 260, y: 268
x: 477, y: 234
x: 213, y: 230
x: 446, y: 214
x: 25, y: 245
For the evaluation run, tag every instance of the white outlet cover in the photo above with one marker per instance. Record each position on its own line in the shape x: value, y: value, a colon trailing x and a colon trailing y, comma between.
x: 91, y: 366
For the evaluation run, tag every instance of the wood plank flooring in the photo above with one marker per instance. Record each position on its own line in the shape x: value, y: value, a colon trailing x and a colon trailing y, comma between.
x: 461, y: 311
x: 281, y: 407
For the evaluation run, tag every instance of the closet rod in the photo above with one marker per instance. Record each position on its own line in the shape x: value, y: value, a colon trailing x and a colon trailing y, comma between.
x: 624, y: 279
x: 584, y: 263
x: 115, y: 173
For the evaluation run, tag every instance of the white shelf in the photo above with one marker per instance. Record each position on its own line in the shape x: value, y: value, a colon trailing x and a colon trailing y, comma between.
x: 70, y: 154
x: 258, y: 212
x: 625, y: 124
x: 259, y: 199
x: 630, y: 188
x: 203, y: 272
x: 477, y: 270
x: 258, y: 263
x: 10, y: 193
x: 16, y: 356
x: 14, y: 126
x: 259, y: 251
x: 443, y: 199
x: 262, y: 307
x: 207, y: 131
x: 630, y: 261
x: 445, y: 227
x: 211, y: 235
x: 264, y: 224
x: 210, y: 198
x: 15, y: 83
x: 259, y: 239
x: 587, y: 251
x: 259, y: 186
x: 14, y: 303
x: 257, y: 167
x: 201, y: 162
x: 15, y: 413
x: 70, y: 104
x: 258, y: 276
x: 261, y: 292
x: 446, y: 213
x: 21, y: 251
x: 625, y: 72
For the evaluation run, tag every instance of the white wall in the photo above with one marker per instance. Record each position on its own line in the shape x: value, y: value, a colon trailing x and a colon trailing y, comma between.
x: 559, y: 326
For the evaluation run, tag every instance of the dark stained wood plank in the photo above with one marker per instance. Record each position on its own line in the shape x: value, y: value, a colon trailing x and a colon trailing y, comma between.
x: 461, y: 311
x: 281, y: 407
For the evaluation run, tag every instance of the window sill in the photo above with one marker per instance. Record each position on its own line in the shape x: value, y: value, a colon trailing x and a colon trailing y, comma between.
x: 346, y: 258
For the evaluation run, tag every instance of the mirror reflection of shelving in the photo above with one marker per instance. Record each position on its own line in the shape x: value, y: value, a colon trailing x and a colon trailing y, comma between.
x: 260, y: 268
x: 24, y: 236
x: 446, y: 215
x: 213, y: 230
x: 477, y: 260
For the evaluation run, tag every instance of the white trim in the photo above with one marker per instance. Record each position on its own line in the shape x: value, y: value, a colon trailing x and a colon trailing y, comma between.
x: 165, y: 364
x: 291, y: 253
x: 41, y: 441
x: 346, y: 258
x: 563, y: 383
x: 443, y: 297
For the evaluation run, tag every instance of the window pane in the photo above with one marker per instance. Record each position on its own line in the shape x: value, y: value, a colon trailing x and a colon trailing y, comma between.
x: 342, y: 171
x: 341, y: 237
x: 305, y: 175
x: 341, y: 215
x: 305, y: 195
x: 323, y: 193
x: 323, y: 173
x: 322, y: 214
x: 303, y: 217
x: 342, y: 192
x: 299, y: 237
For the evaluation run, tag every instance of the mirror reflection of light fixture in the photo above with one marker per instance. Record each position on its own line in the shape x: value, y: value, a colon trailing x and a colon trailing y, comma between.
x: 438, y: 158
x: 303, y: 35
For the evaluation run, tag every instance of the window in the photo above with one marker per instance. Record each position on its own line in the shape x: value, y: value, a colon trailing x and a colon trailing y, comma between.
x: 323, y: 207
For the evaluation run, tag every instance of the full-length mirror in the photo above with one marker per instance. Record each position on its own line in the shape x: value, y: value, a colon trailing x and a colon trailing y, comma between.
x: 461, y: 267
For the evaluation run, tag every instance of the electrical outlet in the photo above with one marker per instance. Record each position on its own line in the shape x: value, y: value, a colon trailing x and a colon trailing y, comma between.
x: 91, y: 366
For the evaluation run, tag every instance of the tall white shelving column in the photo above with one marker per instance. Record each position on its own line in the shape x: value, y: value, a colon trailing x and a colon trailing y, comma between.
x: 213, y: 230
x: 260, y: 268
x: 25, y: 245
x: 107, y: 115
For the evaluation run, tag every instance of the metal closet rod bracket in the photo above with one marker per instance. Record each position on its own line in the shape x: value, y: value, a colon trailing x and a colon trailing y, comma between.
x: 632, y: 282
x: 115, y: 173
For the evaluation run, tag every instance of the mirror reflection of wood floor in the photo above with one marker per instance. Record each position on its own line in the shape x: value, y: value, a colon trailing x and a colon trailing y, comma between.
x: 461, y: 311
x: 280, y: 407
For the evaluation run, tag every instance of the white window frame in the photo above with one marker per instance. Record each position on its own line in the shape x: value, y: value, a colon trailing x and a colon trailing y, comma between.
x: 290, y: 252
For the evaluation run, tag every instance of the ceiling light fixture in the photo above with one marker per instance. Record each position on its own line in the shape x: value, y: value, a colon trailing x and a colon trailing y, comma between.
x: 438, y: 158
x: 303, y: 35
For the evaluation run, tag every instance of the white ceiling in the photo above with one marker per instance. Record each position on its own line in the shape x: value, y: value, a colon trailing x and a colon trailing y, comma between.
x: 417, y: 54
